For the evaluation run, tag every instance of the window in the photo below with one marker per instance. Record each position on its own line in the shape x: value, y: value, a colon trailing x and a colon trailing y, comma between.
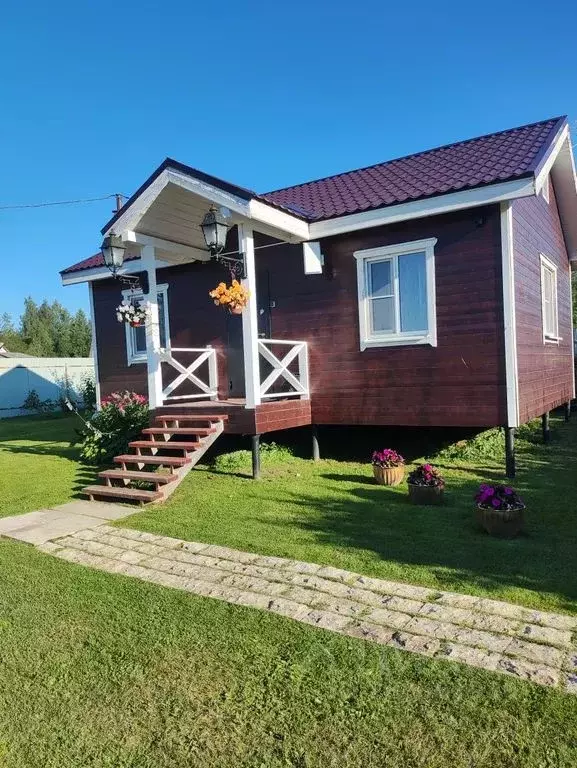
x: 136, y: 337
x: 396, y: 286
x: 549, y: 300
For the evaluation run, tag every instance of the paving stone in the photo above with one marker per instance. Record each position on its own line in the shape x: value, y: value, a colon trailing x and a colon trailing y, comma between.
x: 528, y: 671
x: 367, y: 631
x: 417, y: 643
x: 430, y: 627
x: 193, y: 546
x: 403, y: 604
x: 117, y: 541
x: 376, y: 585
x: 480, y: 639
x: 230, y: 554
x: 194, y: 559
x: 571, y: 684
x: 328, y: 572
x: 570, y: 661
x: 254, y: 583
x: 93, y: 547
x: 253, y: 599
x: 468, y: 602
x: 506, y: 610
x: 548, y: 635
x: 475, y: 657
x: 338, y: 605
x: 148, y: 548
x: 272, y: 562
x: 325, y: 619
x: 297, y: 566
x: 169, y: 542
x: 323, y: 585
x: 132, y: 557
x: 303, y: 596
x: 543, y: 654
x: 447, y: 613
x: 288, y: 608
x: 89, y: 534
x: 414, y: 593
x: 555, y: 620
x: 393, y: 619
x: 49, y: 547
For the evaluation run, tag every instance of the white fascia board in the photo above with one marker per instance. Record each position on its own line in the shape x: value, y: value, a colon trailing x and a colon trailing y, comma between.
x: 417, y: 209
x: 313, y: 258
x: 169, y: 246
x: 138, y: 208
x: 509, y: 315
x: 565, y: 186
x: 280, y: 221
x: 548, y: 165
x: 103, y: 273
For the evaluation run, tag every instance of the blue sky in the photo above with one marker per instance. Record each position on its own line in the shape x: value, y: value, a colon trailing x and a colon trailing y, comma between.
x: 94, y: 95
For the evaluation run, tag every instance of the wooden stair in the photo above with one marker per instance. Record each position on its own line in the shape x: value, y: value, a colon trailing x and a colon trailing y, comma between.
x: 153, y: 461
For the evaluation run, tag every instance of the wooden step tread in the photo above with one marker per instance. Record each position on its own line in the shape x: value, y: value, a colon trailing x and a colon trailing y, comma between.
x: 119, y: 492
x: 146, y: 477
x: 188, y: 446
x: 189, y: 417
x: 168, y: 461
x: 178, y: 431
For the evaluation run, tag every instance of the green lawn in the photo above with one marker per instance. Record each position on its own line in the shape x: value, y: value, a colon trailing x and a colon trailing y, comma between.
x: 103, y: 671
x: 332, y: 513
x: 38, y: 468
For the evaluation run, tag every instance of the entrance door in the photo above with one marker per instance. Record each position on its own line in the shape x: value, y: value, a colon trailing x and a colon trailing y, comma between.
x: 235, y: 358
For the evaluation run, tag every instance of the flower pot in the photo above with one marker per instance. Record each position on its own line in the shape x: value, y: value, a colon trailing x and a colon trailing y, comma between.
x: 426, y: 494
x: 136, y: 323
x: 505, y: 524
x: 236, y: 310
x: 389, y: 475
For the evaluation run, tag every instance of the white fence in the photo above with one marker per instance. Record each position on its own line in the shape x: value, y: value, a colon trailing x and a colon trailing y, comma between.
x: 49, y: 377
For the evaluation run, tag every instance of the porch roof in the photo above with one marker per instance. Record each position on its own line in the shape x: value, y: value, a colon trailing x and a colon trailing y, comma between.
x: 506, y: 156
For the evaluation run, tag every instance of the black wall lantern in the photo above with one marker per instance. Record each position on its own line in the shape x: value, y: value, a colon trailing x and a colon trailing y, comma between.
x: 215, y: 229
x: 113, y: 249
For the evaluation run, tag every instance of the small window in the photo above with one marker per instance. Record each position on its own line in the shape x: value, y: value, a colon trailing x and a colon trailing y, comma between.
x: 136, y: 337
x: 396, y: 286
x: 545, y: 190
x: 549, y: 300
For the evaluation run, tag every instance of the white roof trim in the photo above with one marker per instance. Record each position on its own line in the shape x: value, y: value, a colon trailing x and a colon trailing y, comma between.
x: 102, y: 273
x: 416, y: 209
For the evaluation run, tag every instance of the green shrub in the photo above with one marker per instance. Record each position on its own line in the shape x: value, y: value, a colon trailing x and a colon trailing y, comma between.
x: 489, y: 444
x: 122, y: 417
x: 87, y: 391
x: 237, y: 461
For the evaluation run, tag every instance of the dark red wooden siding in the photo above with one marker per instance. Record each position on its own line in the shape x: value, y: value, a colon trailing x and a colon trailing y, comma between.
x: 545, y: 371
x: 460, y: 382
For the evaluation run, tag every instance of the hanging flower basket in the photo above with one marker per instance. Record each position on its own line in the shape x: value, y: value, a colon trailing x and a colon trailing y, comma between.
x: 233, y: 297
x: 132, y: 312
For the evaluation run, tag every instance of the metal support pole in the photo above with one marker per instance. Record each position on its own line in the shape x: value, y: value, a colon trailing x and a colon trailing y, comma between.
x: 316, y: 448
x: 546, y: 428
x: 568, y: 410
x: 255, y: 446
x: 510, y: 451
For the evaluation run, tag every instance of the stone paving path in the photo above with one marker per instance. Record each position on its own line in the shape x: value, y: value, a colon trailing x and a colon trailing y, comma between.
x: 497, y: 636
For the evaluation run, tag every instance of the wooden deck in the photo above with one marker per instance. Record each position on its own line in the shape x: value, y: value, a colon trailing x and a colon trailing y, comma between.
x: 272, y: 416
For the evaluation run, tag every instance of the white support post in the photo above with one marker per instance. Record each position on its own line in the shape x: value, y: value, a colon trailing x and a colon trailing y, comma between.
x: 250, y: 320
x: 152, y: 331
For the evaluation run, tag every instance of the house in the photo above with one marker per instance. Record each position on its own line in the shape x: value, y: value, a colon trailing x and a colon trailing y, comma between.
x: 432, y: 290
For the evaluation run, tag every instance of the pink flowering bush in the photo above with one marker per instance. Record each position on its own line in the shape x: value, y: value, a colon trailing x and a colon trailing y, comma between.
x: 426, y: 474
x: 498, y: 497
x: 387, y: 458
x: 121, y: 418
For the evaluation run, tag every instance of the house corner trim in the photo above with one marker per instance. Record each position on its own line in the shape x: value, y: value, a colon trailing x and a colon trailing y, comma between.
x: 509, y: 315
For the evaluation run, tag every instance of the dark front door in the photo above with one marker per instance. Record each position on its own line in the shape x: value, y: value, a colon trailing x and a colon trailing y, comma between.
x: 235, y: 358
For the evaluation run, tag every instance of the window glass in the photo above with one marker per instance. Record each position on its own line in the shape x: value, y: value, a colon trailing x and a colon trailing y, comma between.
x: 413, y: 292
x: 549, y: 288
x: 383, y: 314
x: 138, y: 335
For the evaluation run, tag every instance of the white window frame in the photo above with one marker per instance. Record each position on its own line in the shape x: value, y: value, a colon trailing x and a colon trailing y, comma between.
x: 133, y: 357
x: 547, y: 265
x: 365, y: 257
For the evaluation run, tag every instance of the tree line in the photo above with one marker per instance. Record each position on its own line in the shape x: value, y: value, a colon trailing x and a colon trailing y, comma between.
x: 47, y: 330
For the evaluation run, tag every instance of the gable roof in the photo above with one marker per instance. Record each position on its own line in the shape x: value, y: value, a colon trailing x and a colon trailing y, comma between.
x: 499, y: 157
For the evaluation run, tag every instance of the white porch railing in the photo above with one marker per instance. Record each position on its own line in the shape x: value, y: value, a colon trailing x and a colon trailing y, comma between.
x: 297, y: 355
x: 208, y: 389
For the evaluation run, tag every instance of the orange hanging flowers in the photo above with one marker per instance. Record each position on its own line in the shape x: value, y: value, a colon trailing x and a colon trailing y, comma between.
x: 234, y: 296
